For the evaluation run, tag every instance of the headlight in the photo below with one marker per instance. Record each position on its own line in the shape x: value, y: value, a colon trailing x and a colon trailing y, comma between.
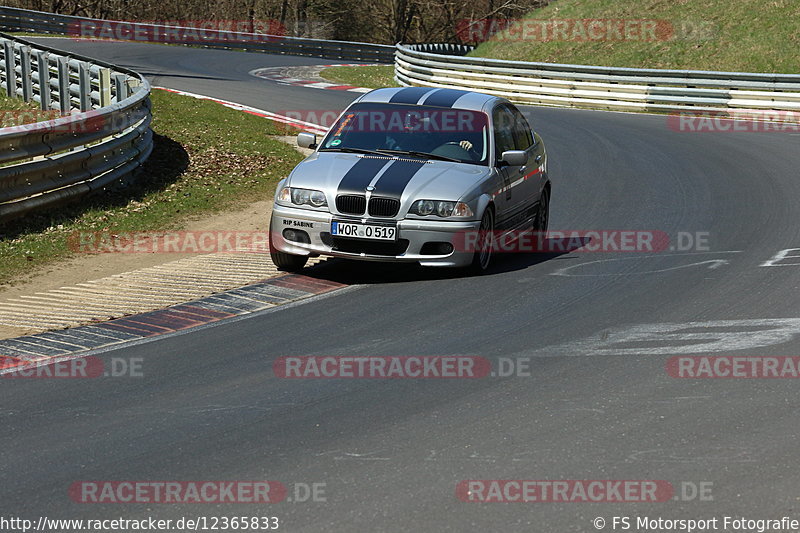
x: 425, y: 207
x: 317, y: 199
x: 441, y: 208
x: 302, y: 197
x: 445, y: 209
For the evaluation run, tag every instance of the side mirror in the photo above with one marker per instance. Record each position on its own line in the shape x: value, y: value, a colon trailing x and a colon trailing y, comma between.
x: 306, y: 140
x: 514, y: 158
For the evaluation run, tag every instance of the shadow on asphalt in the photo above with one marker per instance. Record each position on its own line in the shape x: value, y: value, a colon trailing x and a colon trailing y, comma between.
x: 352, y: 272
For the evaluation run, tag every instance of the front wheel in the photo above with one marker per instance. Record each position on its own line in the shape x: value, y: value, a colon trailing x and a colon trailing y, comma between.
x: 483, y: 255
x: 286, y: 262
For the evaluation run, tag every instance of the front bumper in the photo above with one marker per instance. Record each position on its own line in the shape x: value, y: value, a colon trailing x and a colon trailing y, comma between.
x: 417, y: 233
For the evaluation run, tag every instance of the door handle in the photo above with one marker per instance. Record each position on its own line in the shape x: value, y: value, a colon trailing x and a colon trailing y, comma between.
x: 538, y: 158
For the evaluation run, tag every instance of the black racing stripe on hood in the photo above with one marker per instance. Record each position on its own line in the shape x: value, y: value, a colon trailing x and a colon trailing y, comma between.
x: 361, y: 174
x: 444, y: 97
x: 410, y: 95
x: 394, y: 181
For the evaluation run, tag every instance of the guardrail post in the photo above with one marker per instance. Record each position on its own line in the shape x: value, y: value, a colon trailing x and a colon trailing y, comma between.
x: 133, y: 85
x: 104, y: 80
x: 25, y: 67
x: 64, y: 98
x: 120, y: 87
x: 11, y: 75
x: 84, y: 86
x: 43, y: 66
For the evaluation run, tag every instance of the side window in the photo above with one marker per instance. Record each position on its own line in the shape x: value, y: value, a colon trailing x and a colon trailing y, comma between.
x: 503, y: 131
x: 523, y: 138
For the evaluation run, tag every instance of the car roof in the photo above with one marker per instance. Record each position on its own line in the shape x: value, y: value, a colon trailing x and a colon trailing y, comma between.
x: 433, y: 96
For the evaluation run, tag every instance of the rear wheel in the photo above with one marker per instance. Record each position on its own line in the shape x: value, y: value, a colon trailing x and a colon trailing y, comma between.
x: 284, y: 261
x: 543, y: 213
x: 483, y: 255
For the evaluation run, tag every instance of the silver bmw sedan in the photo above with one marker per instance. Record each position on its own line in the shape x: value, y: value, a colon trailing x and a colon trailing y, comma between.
x: 414, y: 174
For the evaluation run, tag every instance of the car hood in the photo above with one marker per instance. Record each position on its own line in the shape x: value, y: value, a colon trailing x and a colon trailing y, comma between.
x: 405, y: 178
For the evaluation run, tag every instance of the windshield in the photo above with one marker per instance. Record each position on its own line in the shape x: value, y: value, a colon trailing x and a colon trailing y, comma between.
x: 458, y: 135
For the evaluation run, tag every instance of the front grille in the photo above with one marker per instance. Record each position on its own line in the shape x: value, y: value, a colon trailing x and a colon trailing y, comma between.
x: 352, y: 204
x: 355, y: 246
x: 383, y: 207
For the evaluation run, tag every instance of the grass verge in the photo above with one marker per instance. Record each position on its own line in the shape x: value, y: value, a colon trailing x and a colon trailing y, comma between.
x: 16, y: 112
x: 206, y: 158
x: 373, y: 76
x: 743, y: 36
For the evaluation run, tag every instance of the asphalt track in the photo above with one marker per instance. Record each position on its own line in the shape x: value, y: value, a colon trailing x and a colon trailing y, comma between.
x: 392, y: 451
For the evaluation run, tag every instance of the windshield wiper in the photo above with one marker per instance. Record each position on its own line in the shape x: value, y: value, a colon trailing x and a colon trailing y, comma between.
x: 420, y: 154
x: 386, y: 151
x: 352, y: 150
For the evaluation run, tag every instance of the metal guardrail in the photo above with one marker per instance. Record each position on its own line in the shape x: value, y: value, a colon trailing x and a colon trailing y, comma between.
x: 100, y: 133
x: 624, y: 89
x: 12, y: 19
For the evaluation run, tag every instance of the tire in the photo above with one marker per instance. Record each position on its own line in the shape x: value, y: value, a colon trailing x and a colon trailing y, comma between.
x: 483, y: 257
x: 543, y: 214
x: 286, y: 262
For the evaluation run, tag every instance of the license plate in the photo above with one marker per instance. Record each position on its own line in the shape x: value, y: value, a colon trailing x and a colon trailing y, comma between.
x: 364, y: 231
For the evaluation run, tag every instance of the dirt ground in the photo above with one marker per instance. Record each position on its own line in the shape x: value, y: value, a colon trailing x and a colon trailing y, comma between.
x: 80, y: 269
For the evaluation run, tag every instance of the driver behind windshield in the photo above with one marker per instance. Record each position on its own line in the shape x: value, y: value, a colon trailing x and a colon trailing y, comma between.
x: 424, y: 131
